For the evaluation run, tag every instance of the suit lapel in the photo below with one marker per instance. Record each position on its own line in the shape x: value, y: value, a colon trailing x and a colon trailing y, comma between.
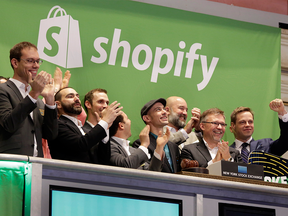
x: 120, y: 148
x: 14, y: 88
x: 70, y: 124
x: 173, y: 155
x: 253, y: 145
x: 203, y: 150
x: 11, y: 85
x: 152, y: 147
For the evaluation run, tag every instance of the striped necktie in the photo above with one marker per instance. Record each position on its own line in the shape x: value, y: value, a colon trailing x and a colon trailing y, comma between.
x: 245, y: 152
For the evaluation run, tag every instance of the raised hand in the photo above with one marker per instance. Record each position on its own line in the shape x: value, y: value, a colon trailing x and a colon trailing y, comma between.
x: 144, y: 136
x: 277, y: 105
x: 48, y: 91
x: 38, y: 84
x: 57, y: 79
x: 196, y: 113
x: 66, y: 79
x: 162, y: 141
x: 111, y: 112
x: 223, y: 148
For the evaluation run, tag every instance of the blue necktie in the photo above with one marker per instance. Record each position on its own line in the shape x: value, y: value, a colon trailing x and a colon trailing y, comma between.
x: 167, y: 154
x: 245, y: 153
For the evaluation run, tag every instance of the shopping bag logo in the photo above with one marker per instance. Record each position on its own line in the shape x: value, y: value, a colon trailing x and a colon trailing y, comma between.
x: 59, y: 39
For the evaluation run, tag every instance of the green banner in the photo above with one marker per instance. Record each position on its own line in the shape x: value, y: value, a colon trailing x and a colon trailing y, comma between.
x: 14, y: 177
x: 140, y: 52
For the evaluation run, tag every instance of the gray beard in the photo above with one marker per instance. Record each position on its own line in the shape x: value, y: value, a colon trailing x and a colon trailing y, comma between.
x: 174, y: 120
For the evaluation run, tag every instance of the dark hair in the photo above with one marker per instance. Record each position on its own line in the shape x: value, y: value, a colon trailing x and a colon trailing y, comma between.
x: 114, y: 127
x: 214, y: 111
x: 238, y: 110
x: 89, y: 96
x: 58, y: 95
x: 16, y: 51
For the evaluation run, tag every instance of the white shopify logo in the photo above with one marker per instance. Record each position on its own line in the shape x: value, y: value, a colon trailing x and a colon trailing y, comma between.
x: 159, y: 53
x: 59, y: 39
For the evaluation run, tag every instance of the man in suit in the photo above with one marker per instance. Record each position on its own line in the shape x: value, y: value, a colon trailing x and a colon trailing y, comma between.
x: 181, y: 133
x: 124, y: 155
x: 73, y: 143
x: 24, y: 119
x: 211, y: 149
x: 242, y: 126
x: 95, y: 101
x: 154, y: 115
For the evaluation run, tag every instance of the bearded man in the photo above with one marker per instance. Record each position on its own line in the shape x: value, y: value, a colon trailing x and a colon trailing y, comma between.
x: 73, y: 142
x: 181, y: 133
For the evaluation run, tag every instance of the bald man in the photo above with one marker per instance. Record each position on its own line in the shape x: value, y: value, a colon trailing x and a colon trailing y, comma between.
x: 181, y: 133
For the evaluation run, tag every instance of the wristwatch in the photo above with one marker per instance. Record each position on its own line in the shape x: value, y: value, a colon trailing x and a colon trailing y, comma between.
x: 230, y: 159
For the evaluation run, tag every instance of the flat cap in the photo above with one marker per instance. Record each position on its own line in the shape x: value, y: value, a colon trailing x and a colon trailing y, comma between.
x: 148, y: 105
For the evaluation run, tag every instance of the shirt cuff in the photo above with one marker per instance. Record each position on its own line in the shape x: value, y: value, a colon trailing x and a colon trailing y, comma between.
x: 104, y: 124
x: 32, y: 99
x: 157, y: 155
x: 210, y: 162
x: 51, y: 106
x: 145, y: 150
x: 184, y: 133
x: 284, y: 118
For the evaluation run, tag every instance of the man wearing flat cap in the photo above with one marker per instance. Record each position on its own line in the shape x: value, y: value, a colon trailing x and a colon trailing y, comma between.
x: 154, y: 115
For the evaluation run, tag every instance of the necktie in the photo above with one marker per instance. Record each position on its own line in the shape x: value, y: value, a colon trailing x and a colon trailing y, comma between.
x: 168, y: 156
x: 245, y: 153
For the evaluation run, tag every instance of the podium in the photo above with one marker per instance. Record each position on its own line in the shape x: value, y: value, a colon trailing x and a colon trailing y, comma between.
x: 233, y: 169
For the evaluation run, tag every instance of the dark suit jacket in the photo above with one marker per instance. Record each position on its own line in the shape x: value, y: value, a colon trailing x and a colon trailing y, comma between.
x: 87, y: 127
x: 199, y: 152
x: 174, y: 152
x: 17, y: 128
x: 136, y: 160
x: 71, y: 145
x: 277, y: 147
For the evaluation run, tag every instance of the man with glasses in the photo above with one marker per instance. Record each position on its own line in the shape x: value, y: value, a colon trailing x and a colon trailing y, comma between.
x: 211, y: 148
x: 242, y: 126
x: 24, y: 119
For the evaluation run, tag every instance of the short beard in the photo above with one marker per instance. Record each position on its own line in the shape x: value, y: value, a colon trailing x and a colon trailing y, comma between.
x: 173, y: 119
x: 71, y: 109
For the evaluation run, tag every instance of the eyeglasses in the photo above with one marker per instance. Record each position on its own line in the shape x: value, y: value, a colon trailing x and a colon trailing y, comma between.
x: 216, y: 123
x: 32, y: 61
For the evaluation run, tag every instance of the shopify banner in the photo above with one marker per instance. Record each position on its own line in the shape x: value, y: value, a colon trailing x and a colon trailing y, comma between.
x: 139, y: 52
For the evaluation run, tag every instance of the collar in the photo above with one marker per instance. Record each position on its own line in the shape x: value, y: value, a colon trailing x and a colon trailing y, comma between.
x: 77, y: 122
x: 90, y: 124
x: 154, y: 135
x: 172, y: 130
x: 20, y: 86
x: 206, y: 144
x: 238, y: 143
x: 122, y: 142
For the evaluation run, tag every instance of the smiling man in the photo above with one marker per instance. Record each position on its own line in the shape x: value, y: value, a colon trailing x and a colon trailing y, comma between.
x: 24, y: 119
x: 242, y: 126
x: 154, y: 115
x: 211, y: 149
x: 95, y: 101
x: 74, y: 142
x: 181, y: 133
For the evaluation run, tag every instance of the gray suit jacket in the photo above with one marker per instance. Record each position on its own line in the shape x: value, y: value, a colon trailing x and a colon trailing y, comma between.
x: 199, y: 152
x: 136, y: 160
x: 17, y: 129
x: 180, y: 140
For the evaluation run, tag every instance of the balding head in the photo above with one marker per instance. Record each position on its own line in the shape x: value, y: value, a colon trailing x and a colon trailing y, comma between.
x: 177, y: 112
